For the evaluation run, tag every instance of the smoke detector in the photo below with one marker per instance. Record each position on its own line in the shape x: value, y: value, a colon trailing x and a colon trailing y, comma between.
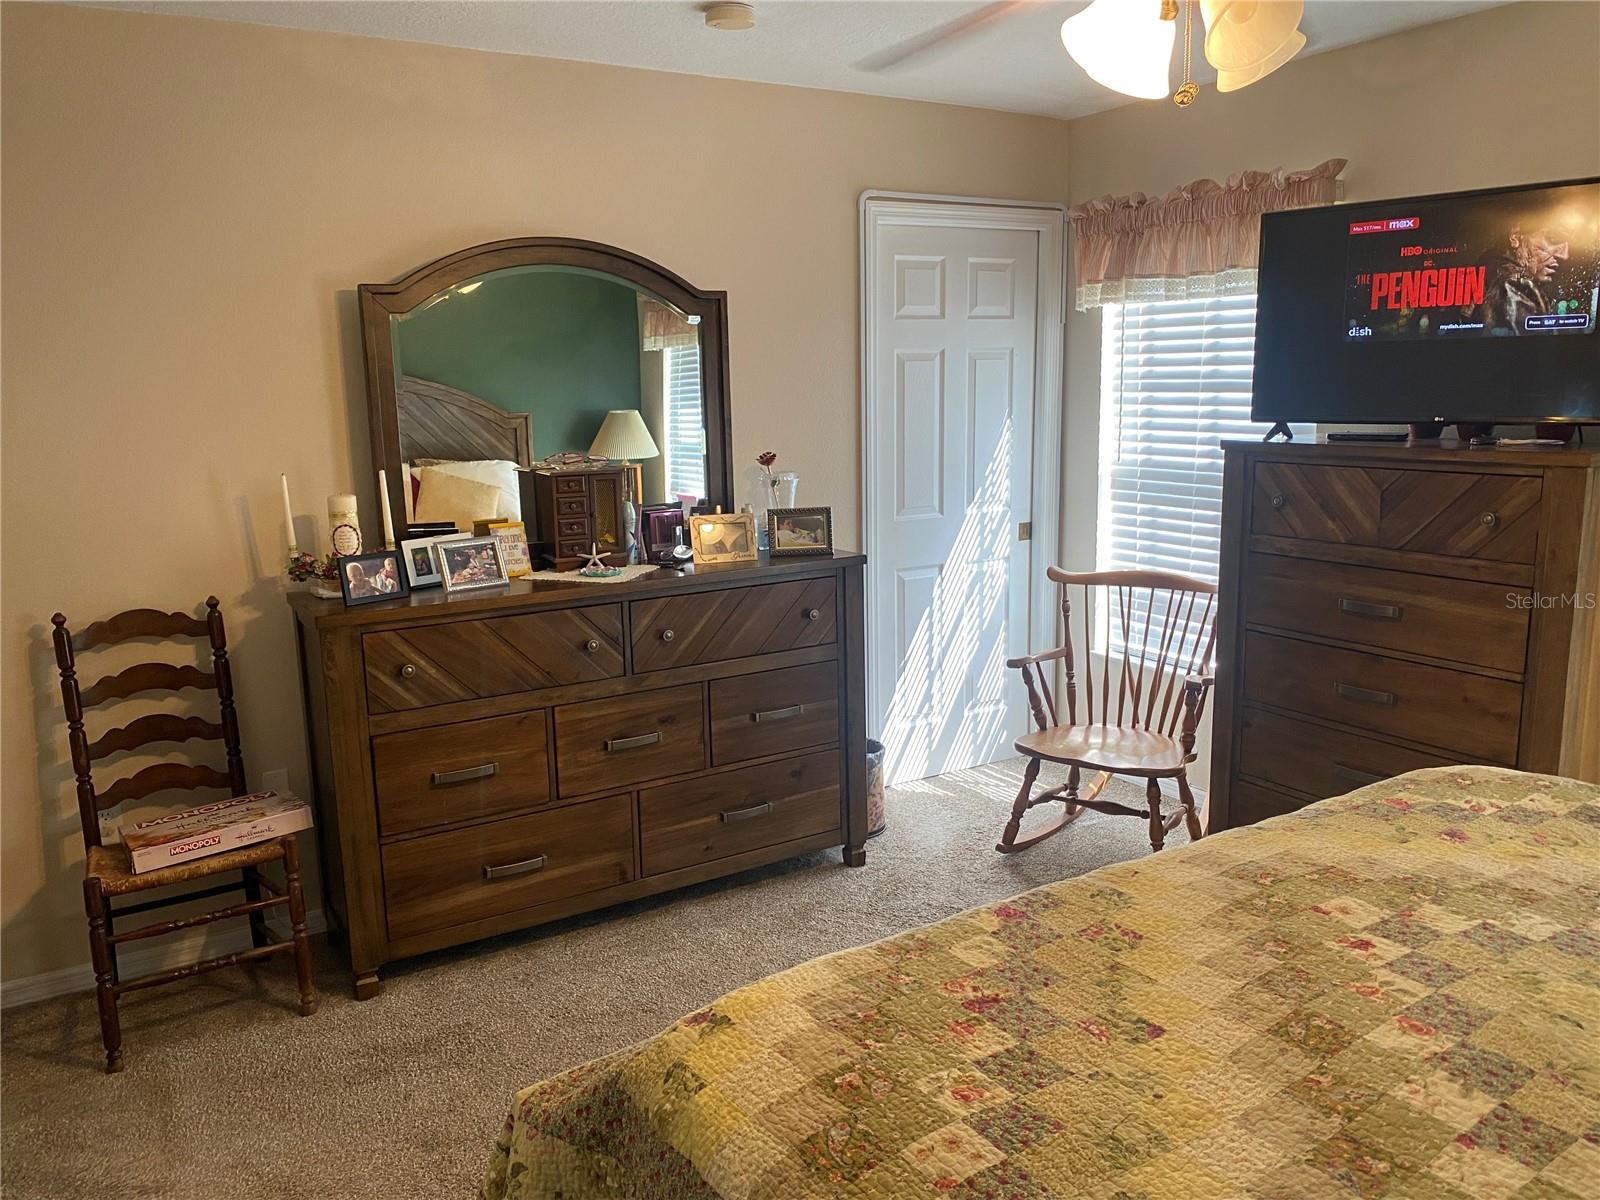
x: 730, y: 15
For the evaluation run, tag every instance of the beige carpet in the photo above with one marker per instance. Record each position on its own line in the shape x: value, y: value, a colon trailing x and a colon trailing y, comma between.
x: 228, y: 1094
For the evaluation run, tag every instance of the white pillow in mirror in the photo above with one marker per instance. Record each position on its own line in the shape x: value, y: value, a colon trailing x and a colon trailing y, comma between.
x: 446, y: 496
x: 501, y: 473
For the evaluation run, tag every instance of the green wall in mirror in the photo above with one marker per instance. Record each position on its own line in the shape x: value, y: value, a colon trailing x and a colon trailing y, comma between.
x: 559, y: 344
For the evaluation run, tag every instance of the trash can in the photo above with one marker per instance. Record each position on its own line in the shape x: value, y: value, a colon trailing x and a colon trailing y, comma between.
x: 877, y: 820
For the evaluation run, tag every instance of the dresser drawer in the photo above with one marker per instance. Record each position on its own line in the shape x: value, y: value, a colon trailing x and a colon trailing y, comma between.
x: 454, y: 773
x: 568, y: 485
x: 1457, y: 711
x: 699, y: 820
x: 1452, y: 513
x: 773, y: 711
x: 572, y: 506
x: 606, y: 744
x: 1454, y: 619
x: 678, y: 631
x: 465, y: 875
x: 1318, y: 761
x: 1248, y: 804
x: 467, y: 660
x: 572, y: 527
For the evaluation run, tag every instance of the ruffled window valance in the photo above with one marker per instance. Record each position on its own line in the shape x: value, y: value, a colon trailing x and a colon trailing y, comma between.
x: 1197, y: 240
x: 663, y: 328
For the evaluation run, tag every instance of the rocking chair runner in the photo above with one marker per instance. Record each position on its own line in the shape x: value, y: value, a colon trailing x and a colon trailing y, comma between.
x: 1159, y: 629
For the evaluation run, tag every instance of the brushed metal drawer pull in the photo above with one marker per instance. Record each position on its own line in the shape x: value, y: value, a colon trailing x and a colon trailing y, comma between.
x: 612, y: 745
x: 592, y: 645
x: 481, y: 771
x: 777, y: 714
x: 1364, y: 608
x: 746, y: 814
x: 1365, y: 695
x: 1490, y: 519
x: 667, y: 635
x: 408, y: 671
x: 1355, y: 776
x: 813, y: 613
x: 506, y: 870
x: 1279, y: 500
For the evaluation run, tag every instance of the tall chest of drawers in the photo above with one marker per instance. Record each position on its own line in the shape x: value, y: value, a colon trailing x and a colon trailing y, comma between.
x: 488, y: 762
x: 1385, y: 608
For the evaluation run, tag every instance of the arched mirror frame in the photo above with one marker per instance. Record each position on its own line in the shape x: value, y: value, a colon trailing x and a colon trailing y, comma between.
x: 381, y: 301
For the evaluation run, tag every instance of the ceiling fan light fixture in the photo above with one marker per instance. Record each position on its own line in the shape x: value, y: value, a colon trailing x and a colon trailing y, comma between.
x: 1232, y: 81
x: 1249, y: 39
x: 1125, y: 45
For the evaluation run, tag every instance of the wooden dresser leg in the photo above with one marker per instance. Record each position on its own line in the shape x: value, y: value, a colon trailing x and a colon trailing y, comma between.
x: 309, y: 1000
x: 855, y: 856
x: 1152, y: 797
x: 368, y: 985
x: 100, y: 953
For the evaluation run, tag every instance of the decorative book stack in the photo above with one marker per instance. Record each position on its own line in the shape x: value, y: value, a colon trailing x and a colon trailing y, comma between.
x: 213, y: 828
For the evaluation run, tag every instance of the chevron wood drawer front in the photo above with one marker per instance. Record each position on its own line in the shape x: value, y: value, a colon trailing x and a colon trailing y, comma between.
x: 678, y: 631
x: 1456, y: 513
x: 469, y: 660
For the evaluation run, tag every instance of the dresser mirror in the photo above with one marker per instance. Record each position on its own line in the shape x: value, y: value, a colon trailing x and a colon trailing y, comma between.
x: 504, y: 357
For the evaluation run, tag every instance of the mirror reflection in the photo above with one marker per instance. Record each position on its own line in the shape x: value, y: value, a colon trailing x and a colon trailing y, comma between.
x: 547, y: 363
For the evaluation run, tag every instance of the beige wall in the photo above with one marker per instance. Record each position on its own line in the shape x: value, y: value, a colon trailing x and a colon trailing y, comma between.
x: 188, y: 207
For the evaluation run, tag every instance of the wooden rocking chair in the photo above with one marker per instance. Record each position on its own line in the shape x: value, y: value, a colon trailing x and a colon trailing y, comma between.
x: 1164, y: 627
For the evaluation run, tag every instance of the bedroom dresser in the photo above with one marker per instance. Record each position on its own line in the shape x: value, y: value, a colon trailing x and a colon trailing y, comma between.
x: 1391, y: 607
x: 486, y: 762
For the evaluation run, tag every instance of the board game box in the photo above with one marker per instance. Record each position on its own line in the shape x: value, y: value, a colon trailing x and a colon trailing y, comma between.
x: 212, y: 828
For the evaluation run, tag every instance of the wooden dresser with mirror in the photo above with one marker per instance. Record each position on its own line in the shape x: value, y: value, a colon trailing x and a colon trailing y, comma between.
x: 492, y: 760
x: 1385, y: 608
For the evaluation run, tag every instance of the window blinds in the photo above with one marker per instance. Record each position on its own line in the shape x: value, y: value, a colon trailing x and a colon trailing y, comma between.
x: 1175, y: 381
x: 685, y: 448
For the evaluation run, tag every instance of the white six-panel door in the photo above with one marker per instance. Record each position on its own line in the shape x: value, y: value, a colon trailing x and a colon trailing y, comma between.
x: 951, y: 380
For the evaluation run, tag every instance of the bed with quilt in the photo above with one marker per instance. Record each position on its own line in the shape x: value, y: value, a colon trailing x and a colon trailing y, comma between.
x: 1393, y: 993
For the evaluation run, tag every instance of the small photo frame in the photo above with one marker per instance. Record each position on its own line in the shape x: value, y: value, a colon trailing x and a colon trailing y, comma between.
x: 795, y: 531
x: 368, y: 578
x: 422, y: 560
x: 470, y: 563
x: 658, y: 529
x: 723, y: 537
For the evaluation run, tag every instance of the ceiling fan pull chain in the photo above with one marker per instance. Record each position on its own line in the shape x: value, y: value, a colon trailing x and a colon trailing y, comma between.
x: 1186, y: 93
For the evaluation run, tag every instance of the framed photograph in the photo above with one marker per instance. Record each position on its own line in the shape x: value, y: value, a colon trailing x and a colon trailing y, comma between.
x: 658, y: 529
x: 723, y: 537
x: 799, y: 531
x: 471, y: 563
x: 421, y: 559
x: 367, y: 578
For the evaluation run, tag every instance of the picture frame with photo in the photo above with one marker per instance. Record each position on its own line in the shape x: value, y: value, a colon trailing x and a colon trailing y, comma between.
x: 724, y: 537
x: 470, y: 564
x: 798, y: 531
x: 422, y: 561
x: 368, y: 578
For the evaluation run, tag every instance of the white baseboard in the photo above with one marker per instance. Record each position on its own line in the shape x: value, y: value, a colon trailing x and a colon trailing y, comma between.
x: 158, y: 954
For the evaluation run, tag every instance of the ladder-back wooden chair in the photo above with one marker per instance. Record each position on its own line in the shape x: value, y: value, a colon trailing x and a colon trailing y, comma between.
x: 1157, y: 629
x: 108, y: 872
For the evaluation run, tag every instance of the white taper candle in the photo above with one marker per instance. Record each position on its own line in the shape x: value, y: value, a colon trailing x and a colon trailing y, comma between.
x: 388, y: 517
x: 288, y: 515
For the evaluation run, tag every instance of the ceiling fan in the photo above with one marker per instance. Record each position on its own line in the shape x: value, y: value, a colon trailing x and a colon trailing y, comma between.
x: 1126, y: 45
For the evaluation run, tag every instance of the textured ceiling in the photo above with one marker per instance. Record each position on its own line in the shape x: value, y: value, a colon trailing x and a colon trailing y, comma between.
x: 1016, y: 64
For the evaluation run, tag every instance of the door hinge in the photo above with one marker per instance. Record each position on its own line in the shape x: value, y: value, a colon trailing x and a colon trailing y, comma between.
x: 1024, y: 531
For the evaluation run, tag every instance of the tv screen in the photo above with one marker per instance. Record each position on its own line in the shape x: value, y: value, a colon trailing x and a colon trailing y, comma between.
x: 1478, y: 306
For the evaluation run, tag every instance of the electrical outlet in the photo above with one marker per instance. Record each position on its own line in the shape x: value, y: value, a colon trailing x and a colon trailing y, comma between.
x: 275, y: 780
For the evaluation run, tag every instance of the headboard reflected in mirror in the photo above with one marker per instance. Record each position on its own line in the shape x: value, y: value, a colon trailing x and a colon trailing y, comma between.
x: 504, y: 354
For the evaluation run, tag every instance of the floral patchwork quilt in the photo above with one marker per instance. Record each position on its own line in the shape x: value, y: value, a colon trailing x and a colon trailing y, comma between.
x: 1393, y: 993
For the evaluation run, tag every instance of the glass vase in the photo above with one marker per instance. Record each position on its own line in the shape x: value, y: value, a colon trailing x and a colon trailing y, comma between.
x: 785, y: 486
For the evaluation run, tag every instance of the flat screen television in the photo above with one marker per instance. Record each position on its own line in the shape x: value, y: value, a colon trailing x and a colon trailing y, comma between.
x: 1473, y: 307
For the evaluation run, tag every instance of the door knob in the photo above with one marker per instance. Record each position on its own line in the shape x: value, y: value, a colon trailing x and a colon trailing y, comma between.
x: 1490, y: 520
x: 1279, y: 501
x: 813, y: 613
x: 408, y: 671
x: 667, y: 635
x: 592, y: 645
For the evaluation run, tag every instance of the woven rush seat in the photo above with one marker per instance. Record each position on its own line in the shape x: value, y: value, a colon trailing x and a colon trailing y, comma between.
x: 112, y: 867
